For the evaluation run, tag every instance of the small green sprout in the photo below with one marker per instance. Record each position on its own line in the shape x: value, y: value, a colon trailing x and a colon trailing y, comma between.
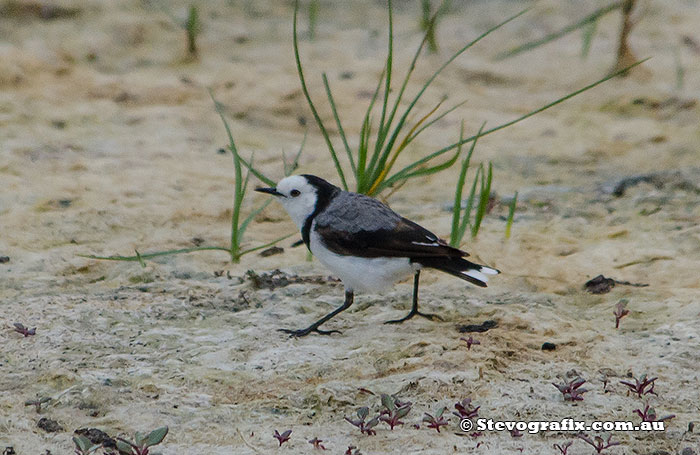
x: 142, y: 442
x: 511, y: 214
x: 193, y: 27
x: 462, y: 219
x: 83, y: 446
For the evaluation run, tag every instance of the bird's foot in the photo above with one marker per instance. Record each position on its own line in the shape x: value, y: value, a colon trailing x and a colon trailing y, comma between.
x: 432, y: 317
x: 303, y: 332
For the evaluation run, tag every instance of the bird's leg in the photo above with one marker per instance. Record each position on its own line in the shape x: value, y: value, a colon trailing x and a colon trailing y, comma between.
x: 414, y: 309
x: 349, y: 297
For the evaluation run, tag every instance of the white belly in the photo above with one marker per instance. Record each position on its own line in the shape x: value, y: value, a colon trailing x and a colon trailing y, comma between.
x: 362, y: 274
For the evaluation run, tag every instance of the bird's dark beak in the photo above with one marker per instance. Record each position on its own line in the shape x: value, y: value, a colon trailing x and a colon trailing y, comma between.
x: 272, y: 191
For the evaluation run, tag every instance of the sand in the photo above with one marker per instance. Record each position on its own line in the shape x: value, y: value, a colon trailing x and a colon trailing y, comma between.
x: 110, y: 143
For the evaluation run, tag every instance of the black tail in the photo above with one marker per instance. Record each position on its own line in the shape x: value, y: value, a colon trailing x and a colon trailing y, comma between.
x: 459, y: 267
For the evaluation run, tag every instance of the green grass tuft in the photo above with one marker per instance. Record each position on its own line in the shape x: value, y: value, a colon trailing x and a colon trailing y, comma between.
x: 238, y: 224
x: 382, y: 142
x: 381, y: 145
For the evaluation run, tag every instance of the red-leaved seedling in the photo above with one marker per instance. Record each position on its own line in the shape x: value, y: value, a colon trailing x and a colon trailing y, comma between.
x: 465, y: 409
x: 648, y: 414
x: 598, y: 443
x: 142, y: 442
x: 352, y: 450
x: 20, y: 328
x: 365, y: 427
x: 437, y: 421
x: 641, y: 386
x: 394, y: 410
x: 620, y: 312
x: 515, y: 433
x: 564, y: 448
x: 282, y: 438
x: 470, y: 341
x: 571, y: 390
x: 317, y: 443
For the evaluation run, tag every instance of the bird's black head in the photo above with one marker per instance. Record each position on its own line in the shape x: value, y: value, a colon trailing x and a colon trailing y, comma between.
x: 303, y: 196
x: 323, y: 187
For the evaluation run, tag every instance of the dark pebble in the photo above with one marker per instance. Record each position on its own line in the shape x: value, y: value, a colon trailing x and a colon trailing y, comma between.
x: 4, y: 259
x: 49, y: 426
x: 547, y: 346
x: 272, y: 251
x: 599, y: 285
x: 483, y: 327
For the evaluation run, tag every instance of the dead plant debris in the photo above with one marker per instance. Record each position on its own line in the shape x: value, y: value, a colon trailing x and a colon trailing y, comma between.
x: 477, y: 328
x: 279, y: 279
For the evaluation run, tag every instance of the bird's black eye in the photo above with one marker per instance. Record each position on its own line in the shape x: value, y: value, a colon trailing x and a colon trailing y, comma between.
x: 295, y: 193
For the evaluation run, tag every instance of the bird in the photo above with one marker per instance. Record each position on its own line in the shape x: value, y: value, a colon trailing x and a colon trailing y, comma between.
x: 366, y: 244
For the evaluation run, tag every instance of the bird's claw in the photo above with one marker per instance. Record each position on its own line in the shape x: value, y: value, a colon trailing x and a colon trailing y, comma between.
x: 432, y: 317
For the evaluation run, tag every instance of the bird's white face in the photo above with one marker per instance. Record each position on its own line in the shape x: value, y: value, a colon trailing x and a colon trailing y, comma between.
x: 298, y: 198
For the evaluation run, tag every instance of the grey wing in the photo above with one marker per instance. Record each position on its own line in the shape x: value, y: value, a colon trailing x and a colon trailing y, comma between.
x: 352, y: 212
x: 358, y: 225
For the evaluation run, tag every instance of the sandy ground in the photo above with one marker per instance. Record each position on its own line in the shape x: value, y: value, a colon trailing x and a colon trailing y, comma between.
x: 109, y: 144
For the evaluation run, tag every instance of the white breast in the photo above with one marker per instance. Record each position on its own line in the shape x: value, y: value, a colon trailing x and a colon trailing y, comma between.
x: 362, y: 274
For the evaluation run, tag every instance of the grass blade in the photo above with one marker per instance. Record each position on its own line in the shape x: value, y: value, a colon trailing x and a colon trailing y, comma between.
x: 437, y: 119
x: 419, y: 171
x: 232, y: 143
x: 362, y: 152
x: 154, y: 254
x: 247, y: 178
x: 484, y: 196
x: 470, y: 202
x: 383, y: 134
x: 388, y: 66
x: 239, y: 193
x: 305, y: 90
x: 511, y: 214
x: 140, y: 259
x: 386, y: 167
x: 600, y: 12
x: 341, y: 131
x: 250, y: 250
x: 253, y: 214
x: 262, y: 177
x: 400, y: 174
x: 456, y: 234
x: 428, y: 24
x: 457, y: 207
x: 588, y: 33
x: 425, y: 86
